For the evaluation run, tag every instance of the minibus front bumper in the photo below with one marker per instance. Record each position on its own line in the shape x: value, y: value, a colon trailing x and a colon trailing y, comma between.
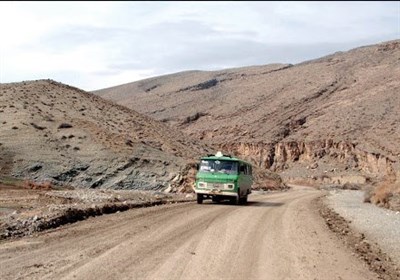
x: 216, y: 192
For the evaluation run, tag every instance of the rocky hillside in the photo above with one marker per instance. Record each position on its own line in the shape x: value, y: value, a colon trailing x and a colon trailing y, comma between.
x: 60, y: 134
x: 335, y: 119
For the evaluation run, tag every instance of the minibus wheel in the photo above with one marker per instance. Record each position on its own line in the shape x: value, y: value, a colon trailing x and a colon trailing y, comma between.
x: 199, y: 198
x: 236, y: 199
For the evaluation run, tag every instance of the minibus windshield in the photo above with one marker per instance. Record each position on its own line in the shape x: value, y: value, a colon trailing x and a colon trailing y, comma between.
x: 220, y: 166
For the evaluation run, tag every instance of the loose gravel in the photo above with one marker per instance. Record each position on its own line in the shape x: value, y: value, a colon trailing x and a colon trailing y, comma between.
x: 380, y: 225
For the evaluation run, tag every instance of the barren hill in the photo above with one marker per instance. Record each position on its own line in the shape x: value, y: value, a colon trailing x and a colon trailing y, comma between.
x: 334, y: 119
x: 53, y: 132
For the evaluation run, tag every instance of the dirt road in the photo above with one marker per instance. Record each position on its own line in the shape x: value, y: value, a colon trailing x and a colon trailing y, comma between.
x: 276, y: 236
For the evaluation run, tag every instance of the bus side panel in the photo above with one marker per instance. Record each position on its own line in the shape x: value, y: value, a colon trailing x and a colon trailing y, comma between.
x: 248, y: 183
x: 245, y: 182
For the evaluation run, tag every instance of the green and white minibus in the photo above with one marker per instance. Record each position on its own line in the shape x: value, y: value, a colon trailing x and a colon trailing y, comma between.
x: 223, y: 177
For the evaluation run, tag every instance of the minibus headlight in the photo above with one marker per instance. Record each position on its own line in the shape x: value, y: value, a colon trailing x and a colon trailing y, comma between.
x: 202, y: 185
x: 229, y: 186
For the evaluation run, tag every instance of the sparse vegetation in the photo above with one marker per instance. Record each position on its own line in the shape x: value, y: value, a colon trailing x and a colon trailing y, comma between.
x: 202, y: 86
x: 49, y: 119
x: 38, y: 126
x: 65, y: 125
x: 194, y: 117
x: 37, y: 185
x: 385, y: 194
x: 351, y: 186
x: 129, y: 143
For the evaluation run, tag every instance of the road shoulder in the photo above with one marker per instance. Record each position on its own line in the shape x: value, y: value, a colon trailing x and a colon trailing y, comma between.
x: 355, y: 238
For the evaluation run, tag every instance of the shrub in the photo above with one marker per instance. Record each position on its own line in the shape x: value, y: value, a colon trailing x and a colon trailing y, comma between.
x: 65, y: 125
x: 38, y: 126
x: 46, y: 185
x: 387, y: 194
x: 351, y: 186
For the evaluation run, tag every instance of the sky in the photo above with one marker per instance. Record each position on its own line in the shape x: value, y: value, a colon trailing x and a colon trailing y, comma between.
x: 95, y: 45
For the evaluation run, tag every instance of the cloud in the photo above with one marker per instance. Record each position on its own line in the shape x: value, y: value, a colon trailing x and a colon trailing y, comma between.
x: 102, y: 44
x: 70, y: 37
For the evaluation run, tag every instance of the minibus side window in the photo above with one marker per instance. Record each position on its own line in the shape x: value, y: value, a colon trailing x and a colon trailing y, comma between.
x: 245, y: 168
x: 242, y: 168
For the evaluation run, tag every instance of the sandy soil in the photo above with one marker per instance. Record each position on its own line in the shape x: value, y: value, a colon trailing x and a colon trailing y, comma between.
x: 276, y: 236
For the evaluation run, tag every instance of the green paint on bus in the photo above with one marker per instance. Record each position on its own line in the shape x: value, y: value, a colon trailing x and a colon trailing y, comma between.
x: 222, y: 177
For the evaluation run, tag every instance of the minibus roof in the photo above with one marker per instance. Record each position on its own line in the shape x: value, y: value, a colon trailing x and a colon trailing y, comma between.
x: 224, y: 157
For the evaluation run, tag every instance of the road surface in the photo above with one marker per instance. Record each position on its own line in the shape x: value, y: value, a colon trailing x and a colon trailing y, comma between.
x: 275, y: 236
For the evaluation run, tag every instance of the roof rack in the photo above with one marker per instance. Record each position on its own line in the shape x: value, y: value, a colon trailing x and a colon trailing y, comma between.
x: 213, y: 155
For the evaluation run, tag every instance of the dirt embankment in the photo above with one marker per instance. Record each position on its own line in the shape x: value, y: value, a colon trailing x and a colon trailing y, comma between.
x: 31, y: 207
x: 366, y: 250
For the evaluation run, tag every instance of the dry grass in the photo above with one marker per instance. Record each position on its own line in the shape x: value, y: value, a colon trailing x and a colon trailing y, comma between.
x: 267, y: 180
x: 385, y: 194
x: 351, y: 186
x: 28, y: 184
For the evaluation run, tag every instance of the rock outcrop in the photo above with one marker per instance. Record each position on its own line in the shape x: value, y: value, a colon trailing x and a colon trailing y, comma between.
x: 342, y: 156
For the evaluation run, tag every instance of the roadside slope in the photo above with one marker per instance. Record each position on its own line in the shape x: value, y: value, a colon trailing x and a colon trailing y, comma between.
x: 54, y: 132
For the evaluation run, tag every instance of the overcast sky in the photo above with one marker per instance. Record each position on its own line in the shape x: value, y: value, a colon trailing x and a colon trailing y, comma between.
x: 94, y: 45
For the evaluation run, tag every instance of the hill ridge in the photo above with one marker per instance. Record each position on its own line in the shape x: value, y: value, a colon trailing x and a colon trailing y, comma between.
x: 337, y: 112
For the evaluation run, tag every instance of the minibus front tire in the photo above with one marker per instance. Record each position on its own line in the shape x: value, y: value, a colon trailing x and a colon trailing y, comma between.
x: 236, y: 199
x: 199, y: 198
x: 243, y: 199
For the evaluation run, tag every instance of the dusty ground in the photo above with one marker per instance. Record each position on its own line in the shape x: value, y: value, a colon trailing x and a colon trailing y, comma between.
x: 25, y: 211
x: 276, y: 236
x: 363, y: 248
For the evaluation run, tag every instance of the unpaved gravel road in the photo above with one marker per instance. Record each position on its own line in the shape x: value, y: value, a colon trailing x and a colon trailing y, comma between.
x: 276, y: 236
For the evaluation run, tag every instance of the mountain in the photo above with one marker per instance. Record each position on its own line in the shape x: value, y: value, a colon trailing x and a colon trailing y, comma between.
x: 333, y: 120
x: 60, y: 134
